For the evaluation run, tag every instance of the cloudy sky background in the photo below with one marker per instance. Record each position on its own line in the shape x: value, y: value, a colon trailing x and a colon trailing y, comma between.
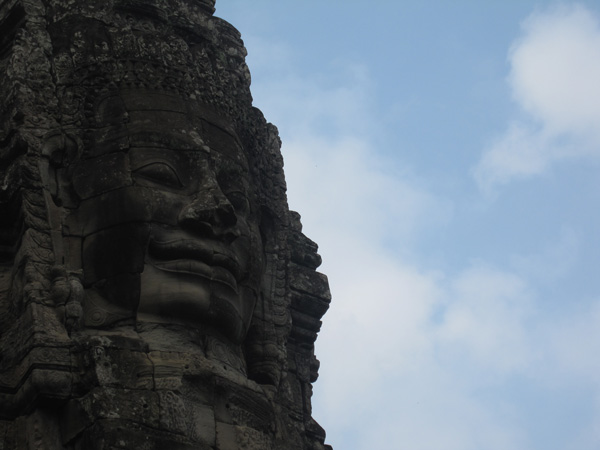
x: 444, y: 155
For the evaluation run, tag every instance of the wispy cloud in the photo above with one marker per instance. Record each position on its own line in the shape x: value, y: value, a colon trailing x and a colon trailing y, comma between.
x: 486, y: 320
x: 555, y: 67
x: 552, y: 263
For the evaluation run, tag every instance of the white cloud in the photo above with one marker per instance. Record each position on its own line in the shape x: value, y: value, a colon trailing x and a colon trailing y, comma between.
x: 522, y: 151
x: 338, y: 186
x: 487, y: 320
x: 555, y: 67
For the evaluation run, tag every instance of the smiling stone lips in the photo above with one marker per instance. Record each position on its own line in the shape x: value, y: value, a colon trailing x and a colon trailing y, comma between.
x: 210, y: 260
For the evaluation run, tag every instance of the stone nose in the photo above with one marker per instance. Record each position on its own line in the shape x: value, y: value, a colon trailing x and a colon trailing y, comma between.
x: 209, y: 212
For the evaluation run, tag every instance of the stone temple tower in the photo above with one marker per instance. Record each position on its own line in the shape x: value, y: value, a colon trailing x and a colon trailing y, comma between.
x: 156, y: 292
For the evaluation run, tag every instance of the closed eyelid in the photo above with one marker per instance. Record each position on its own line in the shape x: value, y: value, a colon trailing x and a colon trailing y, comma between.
x: 161, y: 173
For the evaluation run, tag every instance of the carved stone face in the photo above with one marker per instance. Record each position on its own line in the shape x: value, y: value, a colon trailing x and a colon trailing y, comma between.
x: 167, y: 218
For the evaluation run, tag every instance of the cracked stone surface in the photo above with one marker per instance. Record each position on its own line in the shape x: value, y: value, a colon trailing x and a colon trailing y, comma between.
x: 156, y: 292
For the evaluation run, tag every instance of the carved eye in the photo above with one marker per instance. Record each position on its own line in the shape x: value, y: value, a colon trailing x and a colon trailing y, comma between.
x: 232, y: 185
x: 238, y: 200
x: 160, y: 173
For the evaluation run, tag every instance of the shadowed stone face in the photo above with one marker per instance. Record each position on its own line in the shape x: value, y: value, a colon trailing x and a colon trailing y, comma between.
x: 155, y: 289
x: 166, y: 218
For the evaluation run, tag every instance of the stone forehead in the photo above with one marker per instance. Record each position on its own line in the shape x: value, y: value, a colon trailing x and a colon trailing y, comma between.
x: 139, y: 118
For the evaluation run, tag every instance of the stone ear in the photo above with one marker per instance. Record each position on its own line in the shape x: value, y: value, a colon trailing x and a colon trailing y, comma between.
x: 12, y: 148
x: 58, y: 151
x: 9, y: 27
x: 11, y: 228
x: 60, y: 148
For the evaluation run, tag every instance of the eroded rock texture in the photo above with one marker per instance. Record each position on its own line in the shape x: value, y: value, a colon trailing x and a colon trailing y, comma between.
x: 155, y: 290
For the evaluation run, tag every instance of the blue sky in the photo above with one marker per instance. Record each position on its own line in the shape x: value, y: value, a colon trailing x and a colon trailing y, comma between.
x: 444, y: 156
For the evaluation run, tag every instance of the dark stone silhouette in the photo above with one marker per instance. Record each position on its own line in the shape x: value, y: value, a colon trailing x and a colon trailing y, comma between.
x: 156, y: 292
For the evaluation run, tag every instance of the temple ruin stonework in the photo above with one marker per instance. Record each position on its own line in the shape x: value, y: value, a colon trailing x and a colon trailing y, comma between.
x: 156, y: 292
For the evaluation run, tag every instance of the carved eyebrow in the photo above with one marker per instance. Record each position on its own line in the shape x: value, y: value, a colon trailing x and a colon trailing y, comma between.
x: 233, y: 178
